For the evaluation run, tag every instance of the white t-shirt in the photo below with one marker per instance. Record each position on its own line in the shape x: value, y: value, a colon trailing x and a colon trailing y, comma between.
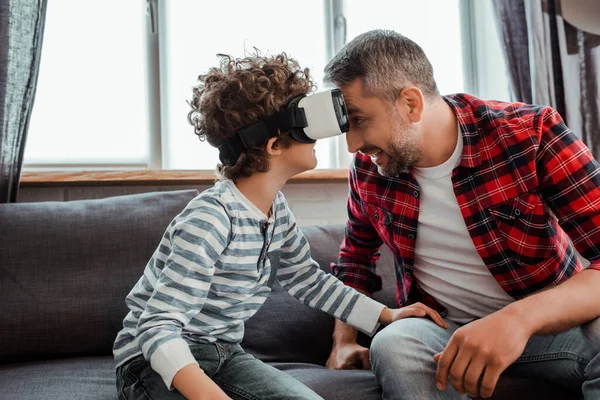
x: 447, y: 265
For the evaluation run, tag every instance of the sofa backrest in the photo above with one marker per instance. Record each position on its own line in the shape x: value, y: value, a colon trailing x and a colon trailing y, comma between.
x: 66, y: 267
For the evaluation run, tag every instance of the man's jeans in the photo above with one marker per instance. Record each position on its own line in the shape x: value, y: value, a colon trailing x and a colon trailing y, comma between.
x: 239, y: 374
x: 402, y: 360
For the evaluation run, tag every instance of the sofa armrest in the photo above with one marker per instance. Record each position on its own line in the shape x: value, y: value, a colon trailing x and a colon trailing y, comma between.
x: 592, y: 331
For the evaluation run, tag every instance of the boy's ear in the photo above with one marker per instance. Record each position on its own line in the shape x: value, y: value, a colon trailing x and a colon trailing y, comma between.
x: 273, y: 149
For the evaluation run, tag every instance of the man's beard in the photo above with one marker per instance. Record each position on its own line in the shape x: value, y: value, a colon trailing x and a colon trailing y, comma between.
x: 403, y: 151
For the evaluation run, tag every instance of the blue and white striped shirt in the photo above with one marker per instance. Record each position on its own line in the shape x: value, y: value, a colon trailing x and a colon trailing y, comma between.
x: 210, y: 273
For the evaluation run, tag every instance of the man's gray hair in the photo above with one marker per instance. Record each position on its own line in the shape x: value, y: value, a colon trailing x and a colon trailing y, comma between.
x: 386, y: 62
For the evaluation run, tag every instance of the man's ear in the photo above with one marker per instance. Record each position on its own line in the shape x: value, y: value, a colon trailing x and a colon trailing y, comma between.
x: 273, y: 149
x: 411, y: 103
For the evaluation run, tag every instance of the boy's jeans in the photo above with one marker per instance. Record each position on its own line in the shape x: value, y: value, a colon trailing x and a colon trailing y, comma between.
x: 402, y: 360
x: 239, y: 374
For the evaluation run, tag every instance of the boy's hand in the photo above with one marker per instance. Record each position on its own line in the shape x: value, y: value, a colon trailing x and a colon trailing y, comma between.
x: 389, y: 315
x: 194, y: 384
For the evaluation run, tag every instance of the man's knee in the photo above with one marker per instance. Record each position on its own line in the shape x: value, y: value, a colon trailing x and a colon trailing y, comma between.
x: 404, y: 339
x: 592, y: 331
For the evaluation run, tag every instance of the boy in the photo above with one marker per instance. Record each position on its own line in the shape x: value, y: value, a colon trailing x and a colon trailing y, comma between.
x: 218, y: 258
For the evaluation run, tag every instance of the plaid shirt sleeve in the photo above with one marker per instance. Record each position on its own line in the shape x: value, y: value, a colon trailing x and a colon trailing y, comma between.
x: 569, y: 181
x: 359, y: 250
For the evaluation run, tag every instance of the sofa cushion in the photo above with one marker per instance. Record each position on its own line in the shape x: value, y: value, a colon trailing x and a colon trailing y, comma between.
x: 87, y: 378
x: 93, y: 378
x: 334, y: 384
x: 66, y: 267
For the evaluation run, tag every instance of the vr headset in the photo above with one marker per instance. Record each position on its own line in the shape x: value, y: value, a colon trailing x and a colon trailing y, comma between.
x: 304, y: 118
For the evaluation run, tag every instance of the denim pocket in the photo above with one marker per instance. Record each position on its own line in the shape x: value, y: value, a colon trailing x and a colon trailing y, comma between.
x: 130, y: 378
x: 208, y: 356
x: 139, y: 368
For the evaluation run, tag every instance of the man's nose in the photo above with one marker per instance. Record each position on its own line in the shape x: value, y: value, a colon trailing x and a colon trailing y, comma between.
x: 353, y: 141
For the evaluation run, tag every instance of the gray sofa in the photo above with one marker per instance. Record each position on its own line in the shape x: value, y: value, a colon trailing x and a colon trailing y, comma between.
x: 66, y: 267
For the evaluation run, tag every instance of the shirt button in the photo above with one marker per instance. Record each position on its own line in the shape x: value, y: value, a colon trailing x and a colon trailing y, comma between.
x: 416, y: 193
x: 407, y: 274
x: 517, y: 212
x: 411, y: 236
x: 376, y: 217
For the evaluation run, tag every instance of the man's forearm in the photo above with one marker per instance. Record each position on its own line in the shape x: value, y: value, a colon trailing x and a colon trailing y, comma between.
x: 565, y: 306
x: 344, y: 333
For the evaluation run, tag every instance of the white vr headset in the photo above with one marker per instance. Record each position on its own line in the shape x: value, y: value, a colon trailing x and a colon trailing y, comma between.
x: 305, y: 118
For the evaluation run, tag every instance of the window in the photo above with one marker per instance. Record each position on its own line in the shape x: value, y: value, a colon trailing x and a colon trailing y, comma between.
x: 438, y: 32
x: 194, y: 32
x: 91, y: 99
x: 112, y: 89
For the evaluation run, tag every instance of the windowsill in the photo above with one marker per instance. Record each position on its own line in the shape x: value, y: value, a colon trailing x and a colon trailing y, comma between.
x: 156, y: 177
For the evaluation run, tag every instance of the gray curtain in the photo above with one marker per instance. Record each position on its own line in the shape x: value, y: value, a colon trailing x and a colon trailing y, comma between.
x: 21, y: 32
x: 552, y: 63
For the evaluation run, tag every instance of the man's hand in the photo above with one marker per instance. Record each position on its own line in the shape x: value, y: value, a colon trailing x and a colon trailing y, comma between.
x: 348, y: 356
x: 481, y: 349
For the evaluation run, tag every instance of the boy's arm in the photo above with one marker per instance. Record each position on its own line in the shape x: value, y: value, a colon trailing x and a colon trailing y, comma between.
x: 180, y: 289
x: 301, y: 276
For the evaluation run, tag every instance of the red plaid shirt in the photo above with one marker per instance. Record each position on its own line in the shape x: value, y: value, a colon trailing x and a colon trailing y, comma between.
x: 525, y: 184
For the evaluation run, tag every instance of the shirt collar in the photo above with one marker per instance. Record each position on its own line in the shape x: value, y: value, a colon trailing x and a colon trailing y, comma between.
x: 462, y: 107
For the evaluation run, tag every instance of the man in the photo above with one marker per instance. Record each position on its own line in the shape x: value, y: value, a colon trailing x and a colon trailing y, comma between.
x: 475, y: 199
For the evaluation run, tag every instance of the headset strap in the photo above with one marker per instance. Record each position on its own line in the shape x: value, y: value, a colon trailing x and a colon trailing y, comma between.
x: 260, y: 132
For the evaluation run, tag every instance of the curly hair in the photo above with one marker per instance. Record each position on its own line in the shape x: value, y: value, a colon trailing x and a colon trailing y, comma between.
x: 240, y: 92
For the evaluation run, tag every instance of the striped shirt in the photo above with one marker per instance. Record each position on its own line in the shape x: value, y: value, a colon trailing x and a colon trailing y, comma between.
x: 211, y: 272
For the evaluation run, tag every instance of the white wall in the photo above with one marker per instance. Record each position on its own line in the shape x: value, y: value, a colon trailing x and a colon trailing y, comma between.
x: 311, y: 203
